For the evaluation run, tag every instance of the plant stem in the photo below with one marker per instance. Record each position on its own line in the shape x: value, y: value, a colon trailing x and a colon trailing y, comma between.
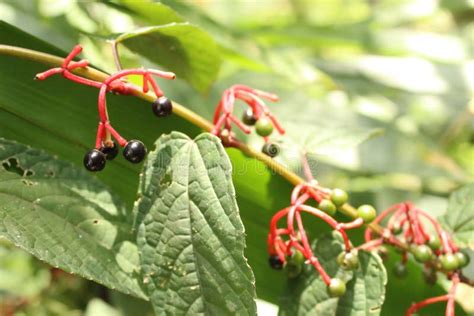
x: 181, y: 111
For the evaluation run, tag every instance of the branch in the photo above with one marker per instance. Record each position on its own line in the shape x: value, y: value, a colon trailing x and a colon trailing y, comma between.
x: 187, y: 115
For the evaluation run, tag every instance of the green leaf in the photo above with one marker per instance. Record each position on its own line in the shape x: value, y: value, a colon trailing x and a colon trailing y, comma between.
x: 190, y: 235
x: 65, y: 217
x: 459, y: 218
x: 365, y: 287
x: 150, y: 11
x: 61, y: 117
x: 181, y: 47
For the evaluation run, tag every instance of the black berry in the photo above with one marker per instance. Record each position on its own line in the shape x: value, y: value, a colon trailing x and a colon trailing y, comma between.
x: 110, y: 152
x: 94, y: 160
x: 275, y: 262
x: 134, y: 151
x: 162, y: 107
x: 249, y: 118
x: 271, y: 149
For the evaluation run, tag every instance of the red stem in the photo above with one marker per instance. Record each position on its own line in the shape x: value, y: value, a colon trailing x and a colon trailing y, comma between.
x: 75, y: 51
x: 328, y: 219
x: 121, y: 141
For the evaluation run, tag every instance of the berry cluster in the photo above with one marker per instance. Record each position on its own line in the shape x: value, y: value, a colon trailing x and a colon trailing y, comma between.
x: 257, y: 114
x: 415, y: 232
x: 289, y: 246
x: 105, y: 148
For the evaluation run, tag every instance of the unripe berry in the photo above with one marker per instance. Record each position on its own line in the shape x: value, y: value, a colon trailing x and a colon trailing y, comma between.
x: 449, y: 262
x: 367, y: 213
x: 295, y: 264
x: 327, y: 206
x: 134, y: 151
x: 249, y: 118
x: 463, y: 259
x: 94, y: 160
x: 162, y: 107
x: 275, y: 262
x: 422, y: 253
x: 264, y: 127
x: 348, y: 260
x: 339, y: 197
x: 434, y: 242
x: 336, y: 288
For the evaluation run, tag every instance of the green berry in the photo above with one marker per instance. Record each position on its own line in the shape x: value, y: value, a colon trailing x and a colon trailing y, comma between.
x: 337, y: 236
x: 264, y: 127
x: 339, y: 197
x: 400, y: 270
x: 367, y: 213
x: 434, y: 242
x: 422, y: 253
x: 348, y: 260
x: 449, y: 262
x: 336, y: 288
x: 327, y: 207
x: 249, y: 118
x: 293, y: 270
x: 463, y: 259
x: 294, y: 264
x: 297, y: 258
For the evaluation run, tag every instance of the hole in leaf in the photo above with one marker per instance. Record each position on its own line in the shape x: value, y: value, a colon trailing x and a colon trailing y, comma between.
x: 27, y: 182
x: 13, y: 165
x: 96, y: 221
x: 166, y: 180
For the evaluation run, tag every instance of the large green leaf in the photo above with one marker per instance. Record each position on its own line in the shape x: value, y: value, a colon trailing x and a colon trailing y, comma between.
x: 365, y: 294
x: 181, y: 47
x: 459, y: 218
x: 67, y: 218
x: 61, y: 118
x: 190, y: 235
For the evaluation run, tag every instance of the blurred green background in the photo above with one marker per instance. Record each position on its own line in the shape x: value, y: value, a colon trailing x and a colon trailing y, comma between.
x: 405, y: 67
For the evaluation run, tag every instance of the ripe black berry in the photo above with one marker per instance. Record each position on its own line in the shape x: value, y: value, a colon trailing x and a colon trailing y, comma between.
x: 134, y: 151
x: 275, y: 262
x: 110, y: 152
x: 162, y: 107
x: 249, y: 118
x: 271, y: 149
x: 94, y: 160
